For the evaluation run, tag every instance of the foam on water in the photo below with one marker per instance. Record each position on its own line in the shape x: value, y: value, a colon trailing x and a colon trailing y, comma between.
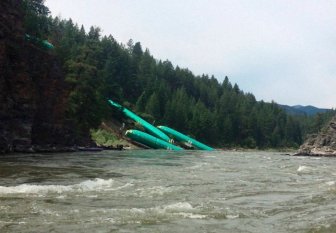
x: 85, y: 186
x: 230, y: 216
x: 4, y: 222
x: 330, y: 183
x: 197, y: 166
x: 178, y: 206
x: 303, y: 168
x: 178, y: 209
x: 154, y: 191
x: 152, y: 214
x: 192, y: 216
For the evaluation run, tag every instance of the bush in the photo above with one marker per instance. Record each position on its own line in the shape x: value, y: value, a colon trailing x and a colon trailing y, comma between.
x: 104, y: 138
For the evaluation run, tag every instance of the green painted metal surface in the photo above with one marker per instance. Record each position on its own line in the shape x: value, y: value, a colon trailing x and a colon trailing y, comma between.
x: 46, y: 44
x: 184, y: 138
x: 150, y: 140
x: 149, y: 127
x: 42, y: 43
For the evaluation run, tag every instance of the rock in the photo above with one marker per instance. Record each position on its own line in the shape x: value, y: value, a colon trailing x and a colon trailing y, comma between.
x: 33, y: 91
x: 321, y: 144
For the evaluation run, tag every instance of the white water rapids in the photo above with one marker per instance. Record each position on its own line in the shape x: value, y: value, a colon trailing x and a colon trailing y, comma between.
x: 166, y: 191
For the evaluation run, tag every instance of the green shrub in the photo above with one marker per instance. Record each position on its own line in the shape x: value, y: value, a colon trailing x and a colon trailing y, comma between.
x: 104, y: 138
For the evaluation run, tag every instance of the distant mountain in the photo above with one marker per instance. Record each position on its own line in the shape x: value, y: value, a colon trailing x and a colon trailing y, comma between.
x: 303, y: 110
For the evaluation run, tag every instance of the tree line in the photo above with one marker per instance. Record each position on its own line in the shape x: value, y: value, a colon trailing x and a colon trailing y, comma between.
x: 98, y: 68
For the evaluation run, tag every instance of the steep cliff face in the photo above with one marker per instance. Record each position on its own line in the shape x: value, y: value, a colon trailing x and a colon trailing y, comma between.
x: 33, y: 93
x: 321, y: 144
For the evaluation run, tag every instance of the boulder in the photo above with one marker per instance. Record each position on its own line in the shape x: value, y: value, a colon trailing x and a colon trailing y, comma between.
x: 321, y: 144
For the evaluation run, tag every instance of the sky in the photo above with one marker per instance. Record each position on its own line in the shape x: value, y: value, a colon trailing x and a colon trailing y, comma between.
x: 279, y: 50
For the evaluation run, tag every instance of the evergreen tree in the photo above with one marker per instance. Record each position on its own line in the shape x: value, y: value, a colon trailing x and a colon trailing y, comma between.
x: 36, y: 22
x: 153, y: 106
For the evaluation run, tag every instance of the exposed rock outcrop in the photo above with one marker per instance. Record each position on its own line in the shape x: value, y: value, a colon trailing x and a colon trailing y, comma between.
x: 321, y: 144
x: 33, y: 92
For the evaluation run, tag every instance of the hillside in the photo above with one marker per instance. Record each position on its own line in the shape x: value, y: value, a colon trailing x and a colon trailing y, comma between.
x: 217, y: 113
x: 303, y: 110
x: 33, y: 91
x: 53, y: 98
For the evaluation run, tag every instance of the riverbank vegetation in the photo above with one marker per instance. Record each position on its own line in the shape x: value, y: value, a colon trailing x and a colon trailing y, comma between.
x: 97, y: 67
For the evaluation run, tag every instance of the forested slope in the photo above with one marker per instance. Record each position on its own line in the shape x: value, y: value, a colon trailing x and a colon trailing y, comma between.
x: 219, y: 113
x: 96, y: 68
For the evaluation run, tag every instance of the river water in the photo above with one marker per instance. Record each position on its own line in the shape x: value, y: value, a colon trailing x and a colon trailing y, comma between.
x: 166, y: 191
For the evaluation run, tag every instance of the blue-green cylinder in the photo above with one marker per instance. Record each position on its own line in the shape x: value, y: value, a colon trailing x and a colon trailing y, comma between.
x: 150, y: 140
x: 184, y: 138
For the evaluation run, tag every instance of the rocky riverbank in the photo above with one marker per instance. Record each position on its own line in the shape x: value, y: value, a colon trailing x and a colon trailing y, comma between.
x: 321, y: 144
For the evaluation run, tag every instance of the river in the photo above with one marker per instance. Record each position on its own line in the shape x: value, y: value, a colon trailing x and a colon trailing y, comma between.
x: 166, y: 191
